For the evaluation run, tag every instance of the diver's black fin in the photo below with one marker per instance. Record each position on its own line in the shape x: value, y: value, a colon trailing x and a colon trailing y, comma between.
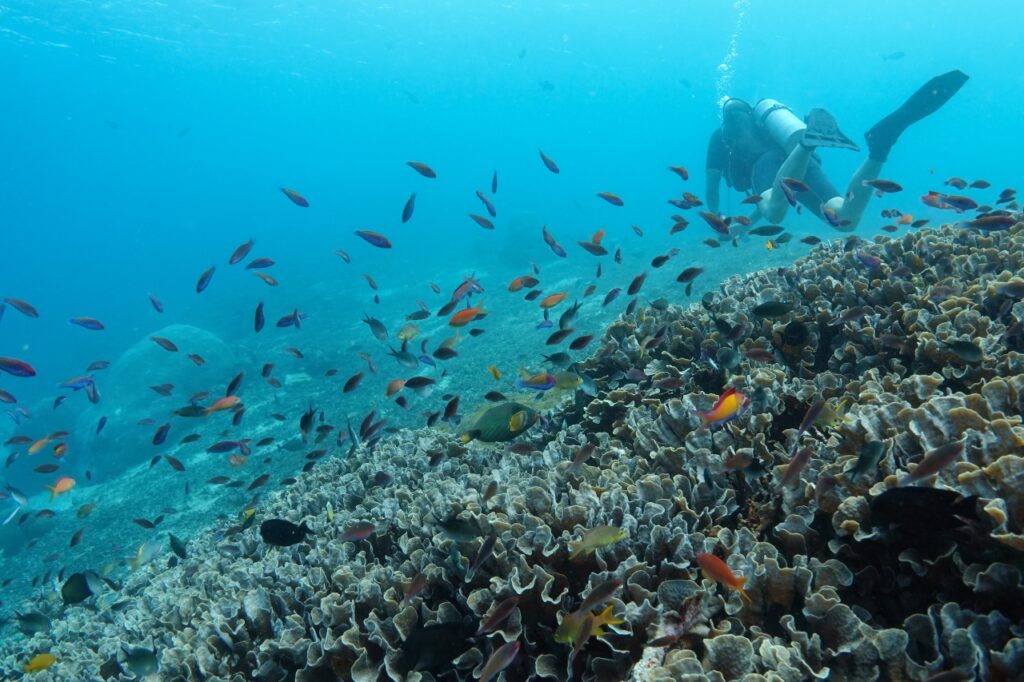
x: 927, y: 100
x: 823, y: 131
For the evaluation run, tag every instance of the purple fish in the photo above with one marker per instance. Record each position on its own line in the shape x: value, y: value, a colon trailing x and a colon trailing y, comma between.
x: 550, y: 241
x: 548, y: 163
x: 87, y: 323
x: 226, y: 446
x: 16, y: 367
x: 788, y: 192
x: 375, y: 238
x: 161, y: 434
x: 101, y: 423
x: 611, y: 295
x: 469, y: 286
x: 410, y: 205
x: 868, y: 260
x: 157, y: 305
x: 539, y: 382
x: 293, y: 320
x: 256, y: 263
x: 204, y: 279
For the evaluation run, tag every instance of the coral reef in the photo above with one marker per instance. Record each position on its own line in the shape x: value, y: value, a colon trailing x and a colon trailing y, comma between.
x: 855, y: 566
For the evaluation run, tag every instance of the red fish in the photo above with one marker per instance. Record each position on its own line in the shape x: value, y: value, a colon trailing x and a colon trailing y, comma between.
x: 296, y: 198
x: 716, y: 569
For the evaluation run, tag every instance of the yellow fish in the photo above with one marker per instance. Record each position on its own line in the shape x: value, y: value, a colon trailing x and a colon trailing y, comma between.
x: 39, y: 662
x: 330, y: 513
x: 517, y: 421
x: 599, y: 536
x: 495, y: 372
x: 770, y: 245
x: 569, y: 629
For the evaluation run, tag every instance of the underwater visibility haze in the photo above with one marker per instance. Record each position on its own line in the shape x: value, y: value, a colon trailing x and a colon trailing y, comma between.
x: 522, y: 341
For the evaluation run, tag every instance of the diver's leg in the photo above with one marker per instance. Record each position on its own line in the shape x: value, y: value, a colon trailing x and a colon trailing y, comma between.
x: 858, y: 195
x: 925, y: 101
x: 773, y: 204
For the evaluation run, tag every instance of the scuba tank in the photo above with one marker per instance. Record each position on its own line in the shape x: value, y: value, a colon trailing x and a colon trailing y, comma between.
x: 779, y: 121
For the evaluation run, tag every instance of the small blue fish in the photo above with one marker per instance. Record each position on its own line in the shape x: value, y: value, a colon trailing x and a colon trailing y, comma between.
x: 157, y: 305
x: 545, y: 324
x: 77, y: 383
x: 204, y: 279
x: 427, y: 360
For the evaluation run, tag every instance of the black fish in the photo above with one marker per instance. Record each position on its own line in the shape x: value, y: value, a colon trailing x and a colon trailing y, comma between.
x: 867, y: 461
x: 924, y: 509
x: 75, y: 589
x: 436, y: 646
x: 283, y: 533
x: 772, y: 309
x: 177, y: 546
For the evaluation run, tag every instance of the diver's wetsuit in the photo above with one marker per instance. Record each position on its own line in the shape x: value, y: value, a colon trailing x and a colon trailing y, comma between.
x: 753, y: 170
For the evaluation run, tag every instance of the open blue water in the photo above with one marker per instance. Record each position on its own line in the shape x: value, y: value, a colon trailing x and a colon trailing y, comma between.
x: 143, y: 141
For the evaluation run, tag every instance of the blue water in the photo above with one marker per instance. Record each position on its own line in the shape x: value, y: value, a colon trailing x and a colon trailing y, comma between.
x: 143, y: 141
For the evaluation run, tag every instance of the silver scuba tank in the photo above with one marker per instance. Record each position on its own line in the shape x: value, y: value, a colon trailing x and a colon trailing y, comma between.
x: 780, y: 123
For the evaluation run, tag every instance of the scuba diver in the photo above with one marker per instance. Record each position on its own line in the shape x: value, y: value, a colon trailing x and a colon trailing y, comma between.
x: 758, y: 146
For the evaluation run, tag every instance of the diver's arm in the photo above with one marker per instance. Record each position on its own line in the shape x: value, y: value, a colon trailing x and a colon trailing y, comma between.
x: 714, y: 180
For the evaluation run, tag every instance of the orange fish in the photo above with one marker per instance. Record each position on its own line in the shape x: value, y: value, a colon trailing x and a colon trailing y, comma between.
x: 237, y: 460
x: 393, y: 387
x: 63, y: 485
x: 229, y: 402
x: 906, y: 219
x: 464, y: 317
x: 553, y: 300
x: 598, y: 236
x: 38, y: 445
x: 715, y: 569
x: 528, y: 281
x: 729, y: 406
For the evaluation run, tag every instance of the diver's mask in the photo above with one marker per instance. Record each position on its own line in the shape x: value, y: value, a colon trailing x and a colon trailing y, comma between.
x: 736, y: 113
